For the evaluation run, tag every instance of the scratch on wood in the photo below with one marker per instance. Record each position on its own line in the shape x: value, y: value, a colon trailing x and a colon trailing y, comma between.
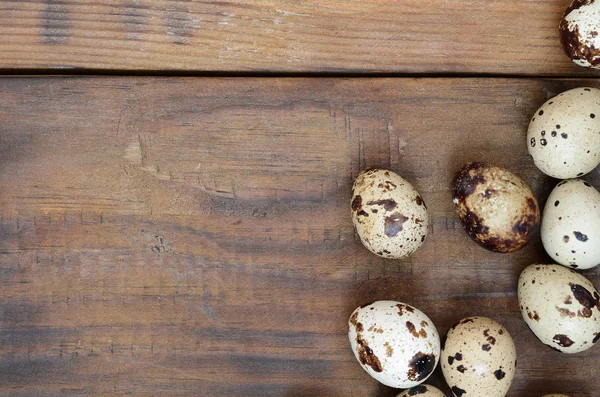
x: 344, y: 28
x: 290, y: 13
x: 378, y: 43
x: 389, y: 142
x: 215, y: 191
x: 401, y: 144
x: 142, y: 149
x: 119, y: 122
x: 135, y: 153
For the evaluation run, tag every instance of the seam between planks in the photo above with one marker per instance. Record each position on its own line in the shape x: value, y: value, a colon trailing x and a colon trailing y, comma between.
x: 278, y: 74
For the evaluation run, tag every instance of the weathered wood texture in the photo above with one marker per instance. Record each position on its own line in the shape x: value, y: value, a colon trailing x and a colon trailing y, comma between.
x: 483, y: 36
x: 192, y: 236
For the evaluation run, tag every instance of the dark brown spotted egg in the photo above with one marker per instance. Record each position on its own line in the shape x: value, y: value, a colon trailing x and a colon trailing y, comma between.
x: 561, y: 307
x: 563, y: 138
x: 422, y: 391
x: 479, y: 358
x: 580, y: 32
x: 497, y: 208
x: 395, y: 343
x: 571, y: 224
x: 388, y: 213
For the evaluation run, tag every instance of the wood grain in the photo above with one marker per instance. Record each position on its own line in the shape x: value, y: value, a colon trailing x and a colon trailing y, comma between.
x: 192, y: 236
x: 408, y: 36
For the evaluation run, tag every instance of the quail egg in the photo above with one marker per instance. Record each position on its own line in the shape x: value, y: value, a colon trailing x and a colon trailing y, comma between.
x: 561, y: 307
x: 479, y: 358
x: 563, y: 134
x: 497, y: 208
x: 579, y: 29
x: 422, y: 391
x: 388, y: 213
x: 395, y: 343
x: 571, y: 224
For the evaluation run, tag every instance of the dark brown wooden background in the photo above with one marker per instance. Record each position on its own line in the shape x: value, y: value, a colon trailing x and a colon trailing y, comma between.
x: 190, y: 236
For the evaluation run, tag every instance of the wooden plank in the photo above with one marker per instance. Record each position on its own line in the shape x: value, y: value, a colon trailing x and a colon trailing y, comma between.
x: 192, y: 236
x: 408, y: 36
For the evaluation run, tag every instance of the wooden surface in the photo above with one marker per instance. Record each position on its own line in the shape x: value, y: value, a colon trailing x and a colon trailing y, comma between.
x: 192, y: 236
x: 408, y: 36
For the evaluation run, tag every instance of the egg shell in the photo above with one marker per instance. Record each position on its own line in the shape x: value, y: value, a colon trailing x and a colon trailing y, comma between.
x: 395, y: 343
x: 563, y: 138
x: 579, y: 29
x: 479, y: 358
x: 496, y: 207
x: 422, y: 391
x: 555, y: 395
x: 388, y: 213
x: 561, y: 307
x: 571, y: 224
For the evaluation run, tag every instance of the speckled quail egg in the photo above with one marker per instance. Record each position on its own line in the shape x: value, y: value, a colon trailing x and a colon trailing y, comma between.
x: 579, y: 30
x: 561, y: 307
x: 395, y: 343
x: 422, y: 391
x: 388, y: 213
x: 563, y: 134
x: 497, y: 208
x: 571, y: 224
x: 479, y: 358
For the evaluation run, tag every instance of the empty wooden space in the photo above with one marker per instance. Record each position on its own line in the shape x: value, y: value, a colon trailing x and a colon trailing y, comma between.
x: 192, y: 237
x: 408, y: 36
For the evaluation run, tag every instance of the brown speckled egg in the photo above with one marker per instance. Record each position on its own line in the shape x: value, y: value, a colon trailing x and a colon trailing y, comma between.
x: 422, y: 391
x: 571, y: 224
x: 555, y: 395
x: 563, y: 138
x: 388, y: 213
x: 561, y: 307
x: 580, y: 32
x: 395, y: 343
x: 497, y: 208
x: 479, y: 358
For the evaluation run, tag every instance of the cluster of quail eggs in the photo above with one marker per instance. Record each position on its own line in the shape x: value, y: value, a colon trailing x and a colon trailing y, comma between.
x: 397, y: 344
